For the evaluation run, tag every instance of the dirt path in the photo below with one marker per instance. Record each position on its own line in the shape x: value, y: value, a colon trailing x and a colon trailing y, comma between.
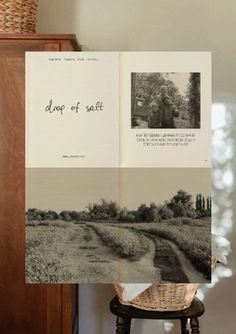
x: 83, y: 254
x: 91, y: 261
x: 193, y: 275
x: 190, y: 271
x: 88, y: 260
x: 110, y: 267
x: 141, y: 271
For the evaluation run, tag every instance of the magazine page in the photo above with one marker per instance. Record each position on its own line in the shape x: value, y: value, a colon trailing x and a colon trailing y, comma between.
x: 72, y: 109
x: 118, y: 177
x: 165, y: 106
x: 165, y: 160
x: 72, y: 160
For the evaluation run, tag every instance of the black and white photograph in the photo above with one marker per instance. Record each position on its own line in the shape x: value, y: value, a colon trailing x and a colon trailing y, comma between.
x: 167, y: 100
x: 109, y: 225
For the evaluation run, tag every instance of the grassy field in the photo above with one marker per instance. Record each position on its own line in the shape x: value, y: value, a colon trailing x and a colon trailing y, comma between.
x: 66, y: 252
x: 44, y: 249
x: 58, y: 251
x: 192, y: 236
x: 127, y: 244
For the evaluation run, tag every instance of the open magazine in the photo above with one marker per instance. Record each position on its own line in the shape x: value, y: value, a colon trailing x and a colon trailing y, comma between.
x: 118, y: 167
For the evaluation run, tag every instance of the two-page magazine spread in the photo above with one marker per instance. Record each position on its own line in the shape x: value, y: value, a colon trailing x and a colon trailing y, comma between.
x: 118, y: 167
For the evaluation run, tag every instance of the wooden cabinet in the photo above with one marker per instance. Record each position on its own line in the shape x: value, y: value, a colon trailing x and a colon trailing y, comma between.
x: 24, y: 309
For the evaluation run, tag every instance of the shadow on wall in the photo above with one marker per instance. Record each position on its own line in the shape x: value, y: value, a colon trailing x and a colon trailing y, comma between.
x: 95, y: 317
x: 57, y: 16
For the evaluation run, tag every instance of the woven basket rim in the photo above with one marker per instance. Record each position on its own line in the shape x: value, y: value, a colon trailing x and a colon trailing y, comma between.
x: 172, y: 297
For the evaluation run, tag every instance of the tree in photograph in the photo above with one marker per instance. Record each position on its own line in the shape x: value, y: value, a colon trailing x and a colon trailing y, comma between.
x: 43, y: 214
x: 65, y: 215
x: 196, y: 202
x: 152, y: 213
x: 142, y: 212
x: 203, y: 203
x: 104, y: 210
x: 125, y: 215
x: 147, y: 213
x: 208, y: 207
x: 199, y: 201
x: 208, y: 203
x: 48, y: 216
x: 52, y: 214
x: 75, y: 215
x: 181, y: 204
x: 148, y: 85
x: 33, y: 214
x: 203, y: 206
x: 164, y: 212
x: 194, y: 101
x: 113, y: 209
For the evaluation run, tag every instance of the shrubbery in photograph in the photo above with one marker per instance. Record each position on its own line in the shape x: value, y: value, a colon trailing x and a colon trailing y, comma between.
x: 167, y: 242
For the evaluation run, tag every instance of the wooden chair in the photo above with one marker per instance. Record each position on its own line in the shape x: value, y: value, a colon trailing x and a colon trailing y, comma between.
x: 188, y: 317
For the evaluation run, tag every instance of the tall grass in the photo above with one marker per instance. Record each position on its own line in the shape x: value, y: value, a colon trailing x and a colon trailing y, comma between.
x: 44, y: 251
x: 127, y: 244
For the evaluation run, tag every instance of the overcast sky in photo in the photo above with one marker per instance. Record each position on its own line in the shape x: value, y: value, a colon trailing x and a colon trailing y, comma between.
x: 74, y: 188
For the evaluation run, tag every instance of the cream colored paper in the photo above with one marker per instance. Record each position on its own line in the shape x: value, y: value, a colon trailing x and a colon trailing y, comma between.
x: 77, y: 158
x: 105, y: 138
x: 133, y: 153
x: 72, y: 139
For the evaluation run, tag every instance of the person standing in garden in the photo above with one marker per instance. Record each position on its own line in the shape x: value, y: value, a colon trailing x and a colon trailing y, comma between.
x: 155, y: 114
x: 167, y: 108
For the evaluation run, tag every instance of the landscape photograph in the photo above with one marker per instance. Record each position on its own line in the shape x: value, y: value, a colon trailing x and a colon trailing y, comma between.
x: 118, y: 225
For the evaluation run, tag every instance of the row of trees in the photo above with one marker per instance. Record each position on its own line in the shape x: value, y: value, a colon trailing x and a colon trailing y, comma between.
x: 180, y: 205
x: 203, y: 202
x: 66, y: 215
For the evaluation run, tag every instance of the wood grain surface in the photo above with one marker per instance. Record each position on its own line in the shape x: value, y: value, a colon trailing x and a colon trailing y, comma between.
x: 24, y: 309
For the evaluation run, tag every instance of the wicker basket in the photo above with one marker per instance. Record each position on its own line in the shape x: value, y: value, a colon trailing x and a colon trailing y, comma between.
x: 18, y: 16
x: 164, y: 296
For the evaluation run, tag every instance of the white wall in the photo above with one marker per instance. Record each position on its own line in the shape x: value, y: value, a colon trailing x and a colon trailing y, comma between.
x: 160, y: 25
x: 151, y: 25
